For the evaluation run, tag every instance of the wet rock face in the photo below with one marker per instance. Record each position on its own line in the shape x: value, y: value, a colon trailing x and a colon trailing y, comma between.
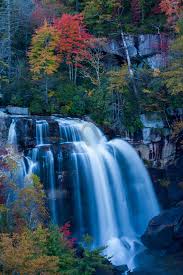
x: 4, y: 128
x: 165, y: 231
x: 25, y: 133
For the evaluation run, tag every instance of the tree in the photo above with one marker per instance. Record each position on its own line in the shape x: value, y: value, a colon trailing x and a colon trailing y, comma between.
x: 25, y: 253
x: 130, y: 67
x: 14, y: 16
x: 73, y: 42
x: 43, y: 59
x: 173, y: 10
x: 102, y: 15
x: 93, y: 68
x: 173, y: 75
x: 59, y: 244
x: 118, y: 87
x: 29, y: 207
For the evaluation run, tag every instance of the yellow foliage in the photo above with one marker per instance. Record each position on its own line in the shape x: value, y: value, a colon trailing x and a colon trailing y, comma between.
x: 173, y: 77
x: 20, y: 253
x: 118, y: 80
x: 42, y: 55
x: 51, y: 93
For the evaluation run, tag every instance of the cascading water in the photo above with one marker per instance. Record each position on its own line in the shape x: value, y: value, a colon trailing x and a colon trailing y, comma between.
x: 111, y: 195
x: 43, y: 153
x: 41, y: 132
x: 12, y: 137
x: 21, y: 170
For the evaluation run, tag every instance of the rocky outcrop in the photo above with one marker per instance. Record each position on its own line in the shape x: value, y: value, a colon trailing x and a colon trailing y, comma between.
x: 165, y: 231
x: 17, y: 111
x: 161, y: 154
x: 151, y: 48
x: 156, y: 147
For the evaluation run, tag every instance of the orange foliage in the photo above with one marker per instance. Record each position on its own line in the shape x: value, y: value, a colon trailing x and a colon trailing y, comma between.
x: 20, y: 253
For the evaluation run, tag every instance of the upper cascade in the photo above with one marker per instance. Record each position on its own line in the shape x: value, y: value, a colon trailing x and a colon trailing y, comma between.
x: 101, y: 186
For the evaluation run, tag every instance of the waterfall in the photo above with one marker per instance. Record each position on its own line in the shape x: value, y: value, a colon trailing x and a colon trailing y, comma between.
x: 42, y: 156
x: 106, y: 192
x: 12, y: 136
x: 21, y: 170
x: 41, y: 132
x: 113, y: 194
x: 49, y: 168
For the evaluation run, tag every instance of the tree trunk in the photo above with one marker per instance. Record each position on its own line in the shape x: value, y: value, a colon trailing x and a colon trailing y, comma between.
x: 75, y: 74
x: 130, y: 69
x: 69, y: 72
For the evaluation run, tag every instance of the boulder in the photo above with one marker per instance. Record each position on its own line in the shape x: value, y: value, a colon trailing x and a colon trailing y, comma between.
x: 165, y: 231
x: 17, y: 111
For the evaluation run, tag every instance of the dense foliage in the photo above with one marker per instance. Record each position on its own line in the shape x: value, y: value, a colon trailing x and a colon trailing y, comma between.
x: 28, y: 243
x: 55, y: 59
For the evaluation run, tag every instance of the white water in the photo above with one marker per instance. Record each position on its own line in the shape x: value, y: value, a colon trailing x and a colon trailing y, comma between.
x: 44, y: 150
x: 12, y: 137
x: 118, y: 187
x: 41, y: 132
x: 113, y: 198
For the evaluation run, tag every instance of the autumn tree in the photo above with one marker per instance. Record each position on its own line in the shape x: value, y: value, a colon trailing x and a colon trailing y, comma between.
x: 173, y: 10
x: 173, y: 75
x: 43, y: 59
x: 102, y: 15
x: 24, y: 253
x: 93, y: 69
x: 29, y: 207
x: 73, y: 42
x: 19, y: 205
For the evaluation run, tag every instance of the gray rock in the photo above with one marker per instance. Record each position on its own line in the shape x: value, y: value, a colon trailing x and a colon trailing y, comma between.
x: 17, y: 111
x: 165, y: 231
x: 146, y: 46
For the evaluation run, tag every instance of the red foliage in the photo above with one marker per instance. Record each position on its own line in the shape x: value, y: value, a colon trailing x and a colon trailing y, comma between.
x: 136, y: 10
x: 172, y: 9
x: 66, y: 235
x: 74, y: 38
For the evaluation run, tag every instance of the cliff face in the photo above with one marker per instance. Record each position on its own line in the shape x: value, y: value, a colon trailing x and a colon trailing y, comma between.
x: 149, y: 48
x: 162, y: 155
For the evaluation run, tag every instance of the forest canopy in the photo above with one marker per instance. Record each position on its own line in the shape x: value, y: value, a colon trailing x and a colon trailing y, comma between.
x: 54, y: 52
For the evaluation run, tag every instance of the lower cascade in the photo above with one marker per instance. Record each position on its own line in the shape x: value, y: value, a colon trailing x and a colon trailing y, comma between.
x: 110, y: 196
